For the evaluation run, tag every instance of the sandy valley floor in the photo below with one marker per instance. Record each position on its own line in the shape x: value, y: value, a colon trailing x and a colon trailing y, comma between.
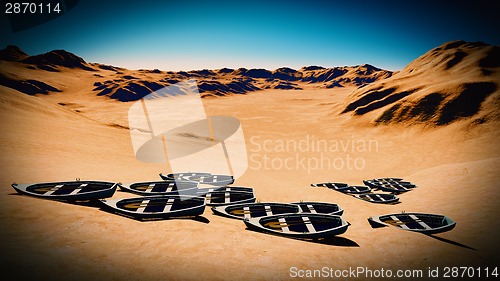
x: 455, y: 168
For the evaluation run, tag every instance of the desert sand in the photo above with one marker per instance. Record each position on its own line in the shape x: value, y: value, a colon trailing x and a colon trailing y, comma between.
x: 76, y: 134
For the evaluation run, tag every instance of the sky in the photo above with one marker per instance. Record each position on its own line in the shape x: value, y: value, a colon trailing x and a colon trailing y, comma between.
x: 188, y: 35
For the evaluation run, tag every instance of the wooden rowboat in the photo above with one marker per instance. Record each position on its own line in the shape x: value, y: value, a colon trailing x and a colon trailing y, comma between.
x: 302, y: 225
x: 156, y: 207
x: 254, y: 210
x: 202, y: 191
x: 356, y: 189
x: 169, y: 187
x: 201, y: 178
x: 332, y: 185
x: 383, y: 198
x: 173, y: 176
x: 68, y: 190
x: 418, y: 222
x: 320, y: 208
x: 395, y: 185
x: 220, y: 198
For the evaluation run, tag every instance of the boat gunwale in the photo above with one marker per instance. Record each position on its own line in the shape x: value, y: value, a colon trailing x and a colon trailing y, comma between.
x: 449, y: 226
x: 221, y: 209
x: 127, y: 188
x: 22, y: 189
x: 256, y: 223
x: 339, y: 212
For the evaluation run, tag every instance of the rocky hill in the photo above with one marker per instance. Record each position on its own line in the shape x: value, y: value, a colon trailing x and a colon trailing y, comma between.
x: 454, y: 81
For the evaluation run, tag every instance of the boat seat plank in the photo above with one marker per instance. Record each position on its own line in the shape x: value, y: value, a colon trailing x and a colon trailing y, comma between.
x: 170, y: 187
x: 246, y: 212
x: 284, y: 225
x: 78, y: 189
x: 268, y: 210
x: 311, y: 209
x: 402, y: 187
x: 143, y: 204
x: 150, y: 187
x: 399, y: 222
x: 309, y: 225
x: 168, y: 205
x: 75, y: 191
x: 381, y: 198
x: 419, y: 221
x: 54, y: 189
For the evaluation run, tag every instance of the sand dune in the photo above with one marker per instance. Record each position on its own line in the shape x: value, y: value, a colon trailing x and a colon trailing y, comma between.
x: 454, y: 81
x: 76, y: 133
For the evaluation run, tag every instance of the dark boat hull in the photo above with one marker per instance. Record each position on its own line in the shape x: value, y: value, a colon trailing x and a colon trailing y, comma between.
x: 160, y: 188
x: 303, y: 226
x: 156, y: 207
x: 320, y: 208
x: 201, y: 178
x: 355, y: 189
x: 379, y: 198
x: 222, y: 198
x: 417, y: 222
x: 202, y: 191
x: 390, y: 185
x: 178, y: 175
x: 332, y: 185
x: 254, y: 210
x: 68, y: 191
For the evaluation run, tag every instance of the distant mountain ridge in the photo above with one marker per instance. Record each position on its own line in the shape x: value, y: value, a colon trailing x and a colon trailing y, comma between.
x: 456, y: 81
x: 218, y: 82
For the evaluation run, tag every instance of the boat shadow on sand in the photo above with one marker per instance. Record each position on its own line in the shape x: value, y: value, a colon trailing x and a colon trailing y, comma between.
x: 97, y: 204
x: 201, y: 219
x: 332, y: 240
x: 451, y: 242
x: 85, y: 203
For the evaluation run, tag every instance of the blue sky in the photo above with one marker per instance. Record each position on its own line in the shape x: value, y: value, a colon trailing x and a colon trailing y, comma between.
x: 256, y: 34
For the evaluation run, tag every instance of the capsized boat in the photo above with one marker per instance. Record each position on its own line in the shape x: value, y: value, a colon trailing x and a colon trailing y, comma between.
x: 320, y: 208
x: 169, y: 187
x: 156, y: 207
x: 383, y: 198
x: 418, y: 222
x: 255, y: 210
x: 68, y: 190
x: 301, y: 225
